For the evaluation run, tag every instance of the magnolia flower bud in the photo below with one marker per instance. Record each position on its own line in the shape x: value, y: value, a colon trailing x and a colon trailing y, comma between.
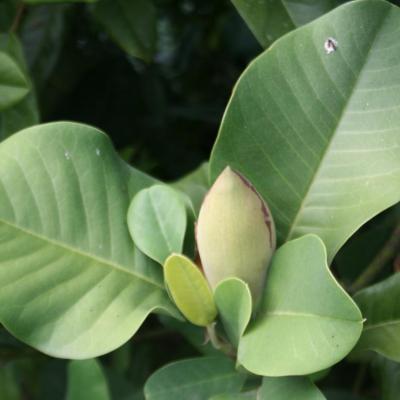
x: 235, y: 233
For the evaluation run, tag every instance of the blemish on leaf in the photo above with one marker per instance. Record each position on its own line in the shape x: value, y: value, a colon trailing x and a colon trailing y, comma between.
x: 67, y: 155
x: 330, y: 45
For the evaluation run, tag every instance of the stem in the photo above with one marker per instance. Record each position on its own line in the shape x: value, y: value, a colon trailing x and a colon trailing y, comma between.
x: 218, y: 344
x: 389, y: 251
x: 18, y: 16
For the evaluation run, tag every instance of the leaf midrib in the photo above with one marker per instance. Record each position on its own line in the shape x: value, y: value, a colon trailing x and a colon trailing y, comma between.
x: 334, y: 132
x: 296, y: 314
x: 80, y: 252
x: 382, y: 324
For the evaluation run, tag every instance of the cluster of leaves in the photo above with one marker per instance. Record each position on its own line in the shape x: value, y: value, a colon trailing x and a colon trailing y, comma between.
x: 83, y: 234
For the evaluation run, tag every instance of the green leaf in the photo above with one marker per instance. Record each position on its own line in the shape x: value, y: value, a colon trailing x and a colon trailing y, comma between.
x: 379, y: 305
x: 157, y: 222
x: 132, y: 24
x: 235, y: 233
x: 319, y: 134
x: 25, y: 112
x: 13, y: 83
x: 388, y: 376
x: 269, y: 20
x: 190, y: 290
x: 72, y: 284
x: 236, y: 396
x: 195, y: 186
x: 203, y: 377
x: 86, y: 381
x: 233, y: 299
x: 296, y: 333
x: 289, y: 387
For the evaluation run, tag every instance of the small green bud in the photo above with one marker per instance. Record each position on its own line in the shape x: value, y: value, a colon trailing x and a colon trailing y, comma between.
x: 235, y: 233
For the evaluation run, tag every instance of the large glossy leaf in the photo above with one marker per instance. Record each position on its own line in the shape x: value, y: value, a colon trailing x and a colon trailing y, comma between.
x: 380, y: 306
x: 86, y: 381
x: 233, y: 299
x: 25, y: 112
x: 13, y: 83
x: 296, y: 333
x: 72, y: 283
x: 195, y: 379
x: 289, y: 387
x: 132, y: 24
x: 319, y: 134
x: 269, y: 20
x: 157, y: 222
x: 190, y: 290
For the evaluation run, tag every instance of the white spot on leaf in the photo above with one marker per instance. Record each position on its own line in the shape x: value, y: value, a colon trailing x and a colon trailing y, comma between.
x: 330, y: 45
x: 67, y: 155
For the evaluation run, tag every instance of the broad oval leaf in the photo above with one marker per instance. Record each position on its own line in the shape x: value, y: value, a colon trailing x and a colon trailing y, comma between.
x: 233, y: 299
x: 289, y: 387
x: 157, y: 222
x: 196, y: 379
x: 380, y: 306
x: 86, y: 381
x: 13, y: 83
x: 235, y: 233
x: 132, y: 24
x: 190, y: 290
x: 307, y: 321
x: 319, y: 134
x: 72, y: 284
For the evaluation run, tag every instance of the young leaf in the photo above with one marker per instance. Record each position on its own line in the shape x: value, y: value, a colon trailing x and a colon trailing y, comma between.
x: 132, y: 24
x: 379, y: 305
x: 13, y: 83
x: 72, y: 284
x: 86, y: 381
x: 204, y: 377
x: 319, y: 134
x: 190, y: 290
x: 233, y: 299
x: 235, y: 233
x: 289, y: 387
x: 307, y: 321
x: 157, y: 222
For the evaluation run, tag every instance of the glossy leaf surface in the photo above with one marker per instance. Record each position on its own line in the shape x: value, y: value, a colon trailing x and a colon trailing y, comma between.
x: 157, y: 222
x: 319, y: 134
x: 190, y: 290
x: 380, y: 306
x: 296, y: 333
x: 69, y: 271
x: 197, y: 379
x: 233, y: 299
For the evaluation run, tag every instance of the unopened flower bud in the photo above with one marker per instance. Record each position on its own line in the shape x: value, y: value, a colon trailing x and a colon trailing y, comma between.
x: 235, y: 233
